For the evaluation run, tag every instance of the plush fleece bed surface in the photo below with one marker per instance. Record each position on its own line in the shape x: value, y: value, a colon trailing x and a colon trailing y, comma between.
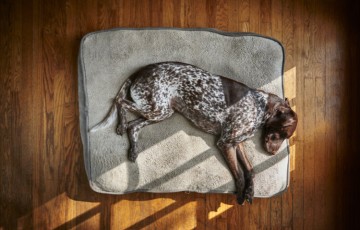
x: 175, y: 155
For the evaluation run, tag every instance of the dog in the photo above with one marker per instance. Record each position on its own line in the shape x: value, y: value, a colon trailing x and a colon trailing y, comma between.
x: 215, y: 104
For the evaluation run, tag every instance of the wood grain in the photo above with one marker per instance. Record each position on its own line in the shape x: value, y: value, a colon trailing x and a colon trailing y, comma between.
x: 42, y: 175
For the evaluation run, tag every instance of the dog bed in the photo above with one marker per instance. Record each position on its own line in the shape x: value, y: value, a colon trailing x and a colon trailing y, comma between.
x: 175, y: 156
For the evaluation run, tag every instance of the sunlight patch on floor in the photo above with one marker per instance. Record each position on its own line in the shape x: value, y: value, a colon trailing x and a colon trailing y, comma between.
x: 290, y: 84
x: 51, y: 214
x: 186, y: 217
x: 290, y: 93
x: 222, y: 208
x: 292, y: 158
x: 141, y: 210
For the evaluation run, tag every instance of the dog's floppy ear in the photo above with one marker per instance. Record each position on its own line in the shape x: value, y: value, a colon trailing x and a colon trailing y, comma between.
x: 287, y: 102
x: 275, y: 105
x: 281, y: 107
x: 290, y: 122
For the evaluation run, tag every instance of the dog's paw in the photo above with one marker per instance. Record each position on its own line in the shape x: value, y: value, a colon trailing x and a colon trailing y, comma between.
x: 240, y: 187
x: 121, y: 129
x: 249, y: 191
x: 133, y: 154
x: 240, y: 199
x: 249, y: 198
x: 132, y: 157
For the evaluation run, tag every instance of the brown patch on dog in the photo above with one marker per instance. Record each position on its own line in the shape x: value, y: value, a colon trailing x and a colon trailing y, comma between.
x: 280, y: 125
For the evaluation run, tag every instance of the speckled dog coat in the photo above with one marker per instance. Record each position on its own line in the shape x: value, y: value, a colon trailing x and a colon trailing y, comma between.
x: 160, y: 89
x: 213, y: 103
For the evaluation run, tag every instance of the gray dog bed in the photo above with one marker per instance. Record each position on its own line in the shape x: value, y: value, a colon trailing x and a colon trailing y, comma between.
x: 175, y: 155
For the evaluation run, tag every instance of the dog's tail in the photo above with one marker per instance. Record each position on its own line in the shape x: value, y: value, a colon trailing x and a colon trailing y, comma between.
x: 112, y: 115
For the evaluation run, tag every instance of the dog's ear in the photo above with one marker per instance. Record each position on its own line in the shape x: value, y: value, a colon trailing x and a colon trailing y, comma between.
x: 290, y: 124
x: 291, y: 121
x: 275, y: 105
x: 287, y: 101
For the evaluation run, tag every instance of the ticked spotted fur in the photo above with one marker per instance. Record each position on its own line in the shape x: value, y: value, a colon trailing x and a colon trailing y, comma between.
x: 215, y: 104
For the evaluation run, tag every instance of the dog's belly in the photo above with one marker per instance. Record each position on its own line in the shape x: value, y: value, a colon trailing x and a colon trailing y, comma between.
x: 201, y: 119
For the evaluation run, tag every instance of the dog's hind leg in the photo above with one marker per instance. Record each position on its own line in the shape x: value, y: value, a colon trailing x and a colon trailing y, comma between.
x: 133, y: 135
x: 121, y: 112
x: 122, y: 125
x: 135, y: 126
x: 122, y: 106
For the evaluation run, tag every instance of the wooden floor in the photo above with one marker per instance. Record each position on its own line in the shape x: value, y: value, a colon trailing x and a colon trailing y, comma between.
x: 42, y: 177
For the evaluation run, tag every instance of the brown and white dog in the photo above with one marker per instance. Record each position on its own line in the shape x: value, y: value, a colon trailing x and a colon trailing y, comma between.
x: 215, y: 104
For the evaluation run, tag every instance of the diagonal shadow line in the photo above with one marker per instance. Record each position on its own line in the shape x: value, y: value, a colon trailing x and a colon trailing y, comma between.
x: 202, y: 157
x: 271, y: 161
x: 224, y: 187
x: 157, y: 215
x: 81, y: 218
x: 179, y: 170
x: 257, y: 169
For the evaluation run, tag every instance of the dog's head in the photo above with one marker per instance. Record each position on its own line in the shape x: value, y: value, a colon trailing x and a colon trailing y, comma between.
x: 280, y: 125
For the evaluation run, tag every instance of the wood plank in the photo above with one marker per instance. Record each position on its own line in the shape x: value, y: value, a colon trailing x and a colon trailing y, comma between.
x: 189, y: 14
x: 37, y: 113
x: 107, y: 15
x: 211, y: 13
x: 309, y: 116
x: 11, y: 73
x: 142, y: 13
x: 25, y: 109
x: 167, y: 13
x: 233, y: 15
x: 342, y: 126
x: 221, y: 15
x: 254, y: 18
x: 179, y: 13
x: 244, y: 15
x: 128, y: 13
x: 351, y: 159
x: 298, y: 173
x: 52, y: 83
x: 333, y: 84
x: 158, y: 15
x: 320, y: 141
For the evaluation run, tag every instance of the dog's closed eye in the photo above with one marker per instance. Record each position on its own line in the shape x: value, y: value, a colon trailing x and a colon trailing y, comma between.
x: 274, y: 137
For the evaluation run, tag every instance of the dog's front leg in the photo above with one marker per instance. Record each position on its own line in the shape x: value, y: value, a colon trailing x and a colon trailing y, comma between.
x: 248, y: 172
x: 229, y: 153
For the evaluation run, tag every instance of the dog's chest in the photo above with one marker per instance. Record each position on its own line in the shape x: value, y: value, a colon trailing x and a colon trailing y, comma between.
x: 244, y: 117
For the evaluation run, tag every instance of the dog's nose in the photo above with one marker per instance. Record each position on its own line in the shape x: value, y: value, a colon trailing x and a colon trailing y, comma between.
x: 269, y: 148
